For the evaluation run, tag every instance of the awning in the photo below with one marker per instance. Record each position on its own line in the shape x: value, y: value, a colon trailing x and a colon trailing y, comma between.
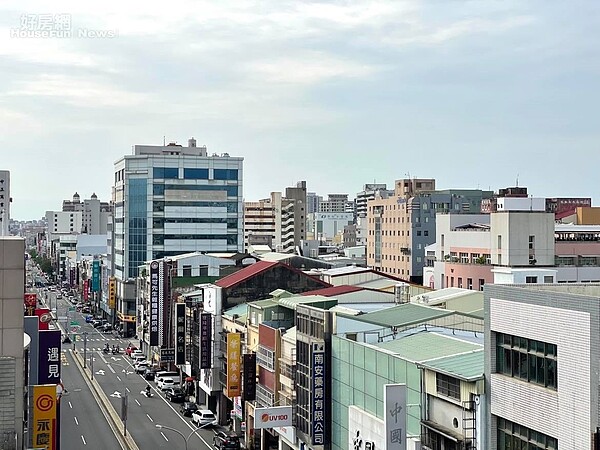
x: 442, y: 430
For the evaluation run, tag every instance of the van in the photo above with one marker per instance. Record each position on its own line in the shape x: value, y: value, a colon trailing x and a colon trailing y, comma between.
x: 166, y: 374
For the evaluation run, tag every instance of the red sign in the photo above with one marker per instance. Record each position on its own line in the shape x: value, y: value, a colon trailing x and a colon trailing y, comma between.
x: 85, y: 290
x: 44, y: 317
x: 30, y: 301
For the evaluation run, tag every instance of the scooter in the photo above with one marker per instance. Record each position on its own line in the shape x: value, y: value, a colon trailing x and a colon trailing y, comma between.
x: 106, y: 350
x: 147, y: 394
x: 116, y: 351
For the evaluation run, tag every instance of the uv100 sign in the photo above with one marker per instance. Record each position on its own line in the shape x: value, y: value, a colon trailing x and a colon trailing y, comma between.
x: 277, y: 416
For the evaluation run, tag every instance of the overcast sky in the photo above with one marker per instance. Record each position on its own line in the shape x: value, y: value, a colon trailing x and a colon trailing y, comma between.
x: 337, y: 93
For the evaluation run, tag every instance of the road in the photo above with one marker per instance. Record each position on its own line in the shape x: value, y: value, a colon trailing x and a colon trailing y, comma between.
x: 143, y: 413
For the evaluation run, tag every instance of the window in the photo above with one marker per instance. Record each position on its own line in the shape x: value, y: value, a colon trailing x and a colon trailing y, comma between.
x: 513, y: 436
x: 548, y: 279
x: 165, y: 172
x: 499, y: 242
x: 195, y: 174
x: 426, y: 233
x: 531, y: 280
x: 481, y: 284
x: 470, y: 283
x: 527, y: 359
x: 464, y: 258
x: 531, y: 242
x: 460, y: 282
x: 225, y: 174
x: 447, y: 386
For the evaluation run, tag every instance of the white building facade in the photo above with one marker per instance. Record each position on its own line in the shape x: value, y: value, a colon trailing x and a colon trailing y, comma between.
x: 4, y: 202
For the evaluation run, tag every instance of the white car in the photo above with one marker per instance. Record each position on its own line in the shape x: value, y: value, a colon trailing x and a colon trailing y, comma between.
x: 141, y: 366
x: 135, y: 353
x: 204, y: 417
x: 166, y: 383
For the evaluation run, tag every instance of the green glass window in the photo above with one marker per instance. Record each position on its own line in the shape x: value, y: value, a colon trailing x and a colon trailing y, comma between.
x: 512, y: 436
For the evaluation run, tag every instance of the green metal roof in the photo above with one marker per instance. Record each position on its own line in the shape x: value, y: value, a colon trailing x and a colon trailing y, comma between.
x: 266, y: 303
x: 403, y: 315
x: 427, y: 345
x: 466, y: 366
x: 314, y: 300
x: 239, y: 310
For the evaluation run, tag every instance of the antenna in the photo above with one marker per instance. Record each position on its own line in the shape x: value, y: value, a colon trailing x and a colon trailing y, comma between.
x: 164, y: 140
x: 517, y: 180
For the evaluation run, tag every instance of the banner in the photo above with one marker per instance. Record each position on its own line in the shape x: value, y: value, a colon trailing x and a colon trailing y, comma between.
x: 234, y: 347
x: 30, y: 301
x: 112, y: 292
x: 44, y: 318
x: 179, y: 333
x: 318, y: 394
x: 154, y: 303
x: 205, y: 340
x: 44, y: 427
x: 394, y: 407
x: 49, y: 357
x: 274, y: 416
x: 85, y: 290
x: 249, y: 391
x: 96, y: 275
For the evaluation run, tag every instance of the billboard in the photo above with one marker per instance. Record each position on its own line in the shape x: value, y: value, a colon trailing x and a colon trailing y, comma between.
x: 317, y: 402
x: 249, y: 390
x: 96, y: 275
x: 234, y: 348
x: 30, y: 302
x: 273, y: 416
x: 179, y: 333
x: 44, y: 426
x: 154, y: 290
x: 205, y: 340
x: 394, y: 407
x: 49, y: 357
x: 44, y: 318
x: 112, y: 292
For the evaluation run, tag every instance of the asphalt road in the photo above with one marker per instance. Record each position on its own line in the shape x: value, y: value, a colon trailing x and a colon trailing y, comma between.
x: 143, y: 413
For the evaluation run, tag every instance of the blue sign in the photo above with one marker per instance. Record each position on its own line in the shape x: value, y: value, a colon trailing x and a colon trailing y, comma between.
x: 49, y: 357
x: 96, y: 276
x: 318, y: 390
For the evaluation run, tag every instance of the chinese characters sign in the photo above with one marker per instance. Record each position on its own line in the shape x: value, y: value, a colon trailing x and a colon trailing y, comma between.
x: 154, y: 291
x: 394, y: 406
x: 112, y: 292
x: 86, y: 288
x: 318, y: 394
x: 234, y: 347
x: 49, y: 357
x: 96, y: 275
x: 179, y: 333
x: 249, y: 377
x: 30, y: 300
x: 205, y: 340
x: 44, y: 426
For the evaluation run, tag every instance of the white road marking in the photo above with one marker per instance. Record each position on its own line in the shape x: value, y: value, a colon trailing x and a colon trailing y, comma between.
x: 83, y: 439
x: 163, y: 435
x: 127, y: 389
x: 137, y: 402
x: 148, y: 416
x: 111, y: 369
x: 76, y: 420
x: 70, y: 406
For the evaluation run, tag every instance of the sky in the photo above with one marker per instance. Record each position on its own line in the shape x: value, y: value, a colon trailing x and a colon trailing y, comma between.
x: 473, y: 93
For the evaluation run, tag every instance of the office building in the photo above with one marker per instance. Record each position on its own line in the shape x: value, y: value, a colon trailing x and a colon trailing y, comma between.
x: 369, y: 192
x: 335, y: 203
x: 4, y: 202
x: 94, y: 213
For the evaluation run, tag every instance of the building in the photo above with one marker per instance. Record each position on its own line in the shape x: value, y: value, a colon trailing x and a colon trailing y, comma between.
x: 335, y: 203
x: 401, y: 226
x: 5, y: 200
x: 278, y: 221
x: 170, y: 200
x: 94, y: 213
x: 327, y: 227
x: 369, y: 192
x: 542, y: 354
x: 312, y: 202
x: 13, y: 366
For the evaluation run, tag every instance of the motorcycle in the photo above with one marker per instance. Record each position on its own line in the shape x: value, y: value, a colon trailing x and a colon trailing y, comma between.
x: 116, y: 351
x: 147, y: 394
x: 106, y: 350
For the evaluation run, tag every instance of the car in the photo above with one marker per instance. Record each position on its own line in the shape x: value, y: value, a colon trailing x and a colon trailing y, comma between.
x: 166, y: 383
x: 135, y: 353
x: 58, y: 296
x: 130, y: 348
x: 141, y: 367
x: 106, y: 327
x: 149, y: 374
x: 176, y: 395
x: 188, y: 408
x: 204, y: 417
x: 226, y: 441
x: 86, y: 309
x: 138, y: 359
x: 89, y: 318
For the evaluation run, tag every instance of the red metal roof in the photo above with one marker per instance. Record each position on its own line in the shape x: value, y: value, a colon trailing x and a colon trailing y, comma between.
x: 245, y: 273
x: 334, y: 290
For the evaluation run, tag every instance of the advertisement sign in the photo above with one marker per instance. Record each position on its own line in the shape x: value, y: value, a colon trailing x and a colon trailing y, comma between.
x: 274, y: 416
x: 234, y: 348
x: 289, y: 433
x: 86, y: 289
x: 317, y: 401
x: 30, y: 301
x: 112, y: 292
x: 44, y: 318
x: 394, y: 409
x: 44, y: 425
x: 249, y: 391
x: 205, y: 340
x: 154, y: 289
x: 211, y: 300
x: 365, y: 431
x: 179, y: 333
x: 49, y: 357
x: 237, y: 408
x: 167, y: 354
x: 96, y: 275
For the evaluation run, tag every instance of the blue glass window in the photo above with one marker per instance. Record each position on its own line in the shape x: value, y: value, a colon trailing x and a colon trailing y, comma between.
x: 137, y: 209
x: 166, y: 172
x: 225, y: 174
x: 195, y: 174
x: 159, y: 189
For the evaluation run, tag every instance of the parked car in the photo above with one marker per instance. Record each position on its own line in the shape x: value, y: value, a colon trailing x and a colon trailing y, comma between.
x: 58, y: 296
x: 188, y: 408
x: 130, y: 348
x: 149, y: 374
x: 135, y: 353
x: 176, y: 395
x: 226, y: 441
x: 86, y: 309
x: 166, y: 383
x: 204, y: 417
x: 106, y: 327
x: 141, y: 367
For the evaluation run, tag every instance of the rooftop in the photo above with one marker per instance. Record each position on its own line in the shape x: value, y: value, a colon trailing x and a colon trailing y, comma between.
x: 292, y: 302
x: 465, y: 366
x: 244, y: 274
x: 403, y: 315
x: 334, y: 290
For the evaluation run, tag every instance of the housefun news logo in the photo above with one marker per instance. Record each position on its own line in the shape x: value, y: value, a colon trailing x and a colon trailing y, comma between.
x: 56, y: 26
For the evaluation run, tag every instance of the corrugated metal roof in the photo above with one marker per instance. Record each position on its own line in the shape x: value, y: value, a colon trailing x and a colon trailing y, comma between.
x: 244, y: 274
x: 264, y: 303
x: 403, y: 315
x: 466, y: 366
x: 345, y: 270
x: 426, y: 345
x: 381, y: 283
x: 239, y: 310
x: 292, y: 302
x: 334, y: 290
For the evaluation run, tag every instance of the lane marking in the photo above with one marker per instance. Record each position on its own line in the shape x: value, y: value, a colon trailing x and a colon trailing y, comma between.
x: 70, y: 406
x: 76, y: 421
x: 83, y: 439
x: 136, y: 400
x: 148, y: 416
x: 118, y: 378
x: 110, y: 368
x: 127, y: 389
x: 163, y: 435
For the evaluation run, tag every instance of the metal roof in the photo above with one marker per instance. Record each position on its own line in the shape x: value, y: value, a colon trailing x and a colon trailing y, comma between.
x: 240, y: 310
x: 334, y: 290
x: 266, y: 303
x: 244, y: 274
x: 404, y: 315
x: 292, y: 302
x: 427, y: 345
x: 466, y: 366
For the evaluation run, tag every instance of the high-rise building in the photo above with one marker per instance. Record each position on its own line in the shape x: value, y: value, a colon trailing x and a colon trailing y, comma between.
x: 94, y: 213
x: 335, y: 203
x: 312, y: 202
x: 368, y: 193
x: 170, y: 200
x: 4, y: 202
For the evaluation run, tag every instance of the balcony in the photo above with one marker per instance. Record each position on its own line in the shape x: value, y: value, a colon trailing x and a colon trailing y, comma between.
x: 265, y: 358
x: 264, y: 396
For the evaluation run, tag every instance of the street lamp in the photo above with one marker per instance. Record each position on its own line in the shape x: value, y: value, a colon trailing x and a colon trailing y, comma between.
x: 186, y: 439
x: 124, y: 402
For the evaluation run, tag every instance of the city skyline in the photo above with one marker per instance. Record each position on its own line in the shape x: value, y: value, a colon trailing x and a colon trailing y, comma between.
x: 473, y: 94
